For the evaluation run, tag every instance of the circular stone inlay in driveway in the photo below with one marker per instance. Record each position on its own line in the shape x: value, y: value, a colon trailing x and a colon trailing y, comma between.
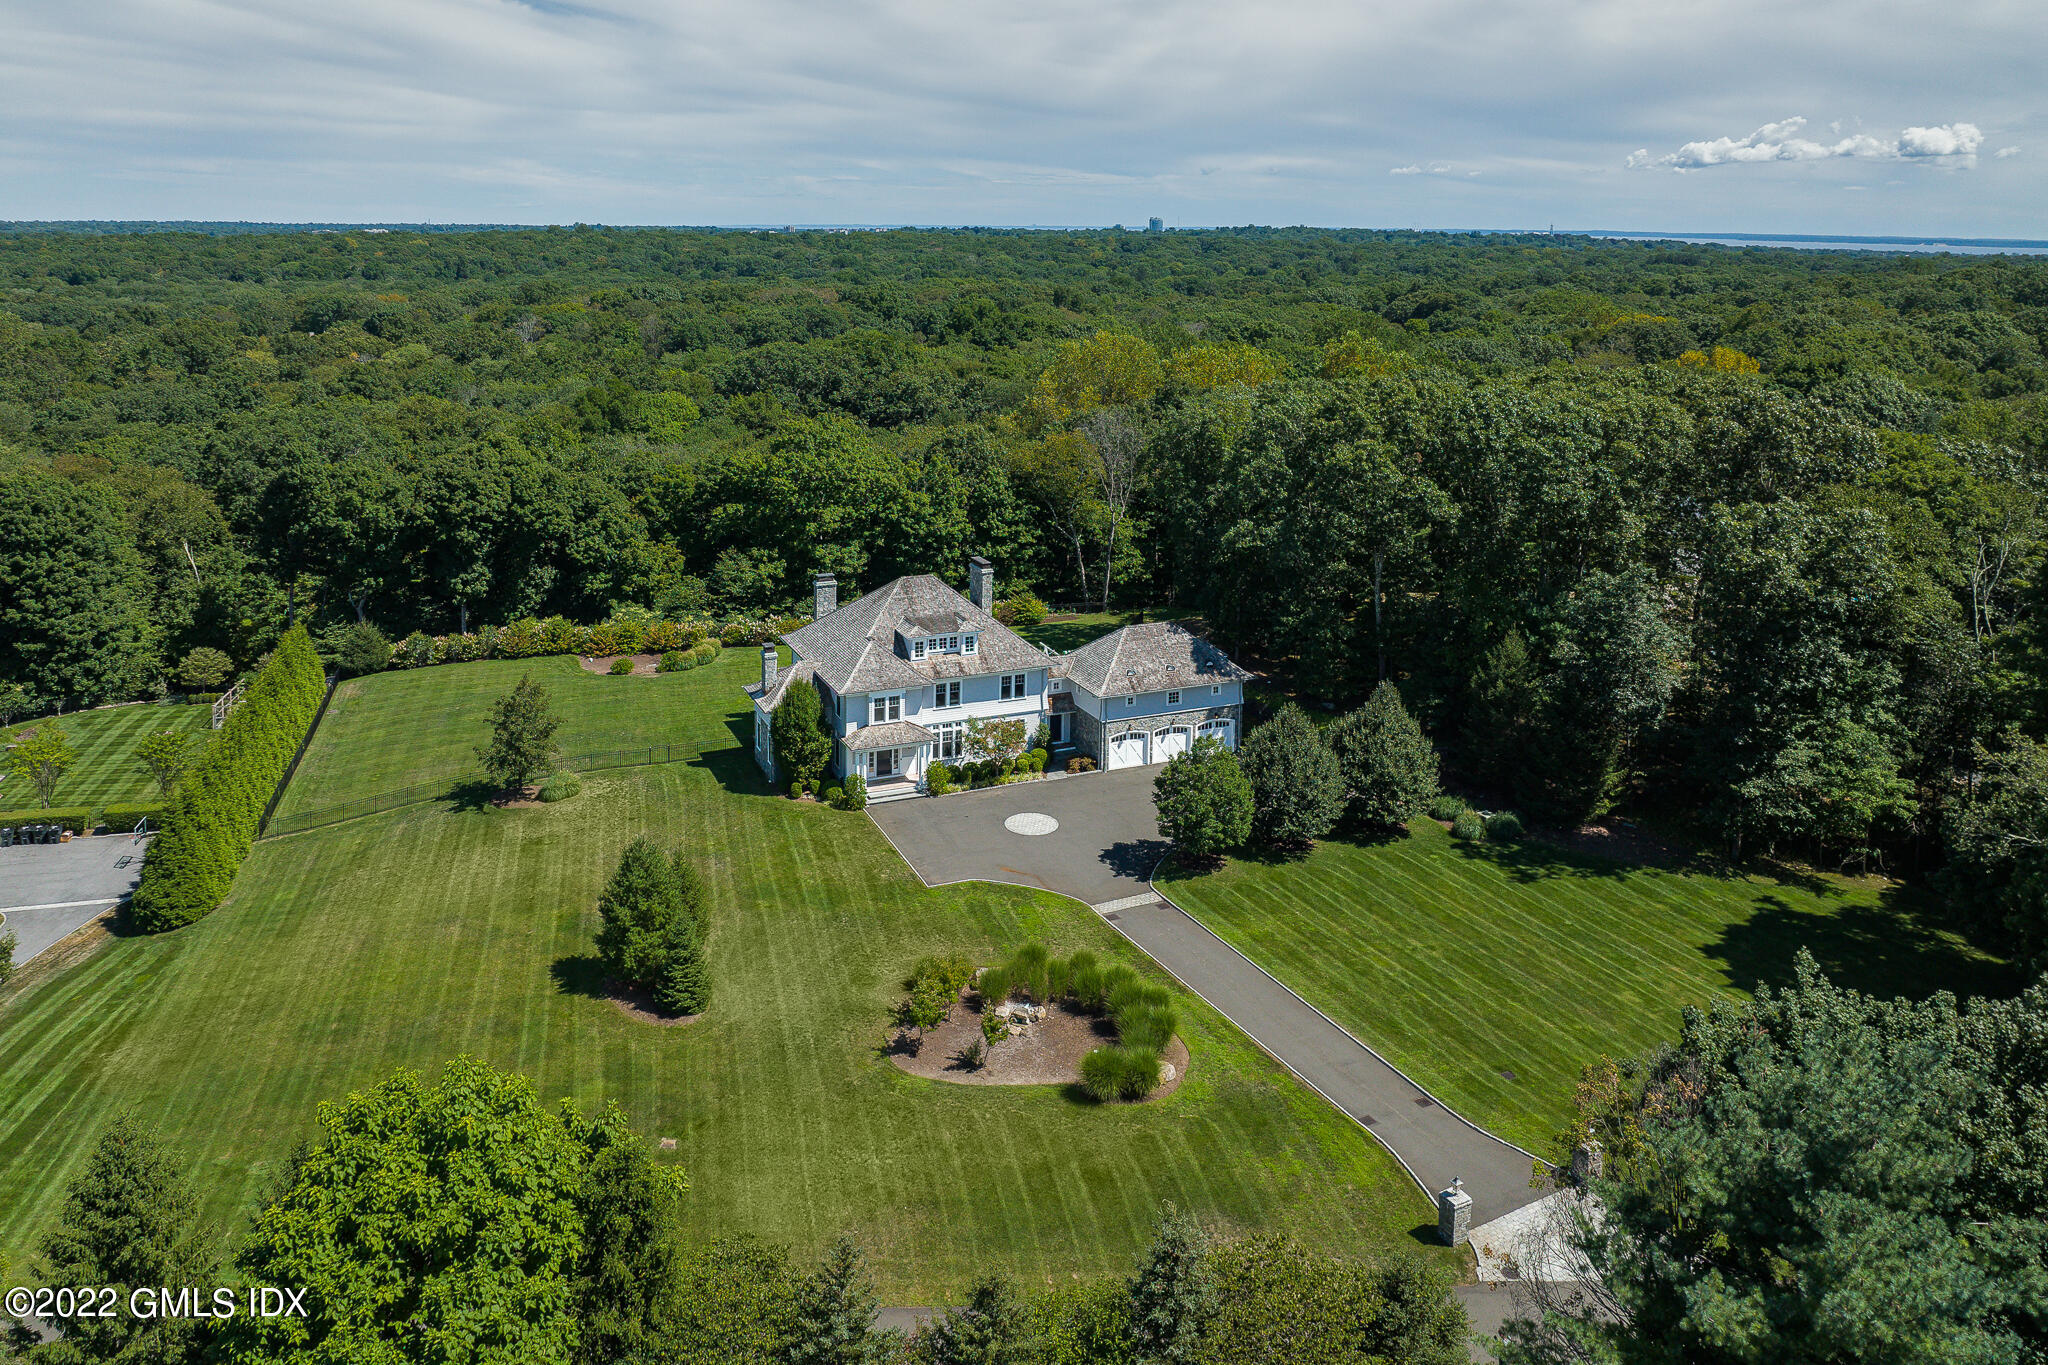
x: 1030, y: 822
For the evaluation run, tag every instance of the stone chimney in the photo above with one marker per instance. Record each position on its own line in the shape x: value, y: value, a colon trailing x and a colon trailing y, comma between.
x: 767, y: 669
x: 824, y: 595
x: 981, y: 583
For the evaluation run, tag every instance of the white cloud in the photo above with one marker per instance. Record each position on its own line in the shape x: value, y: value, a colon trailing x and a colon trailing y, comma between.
x: 1781, y: 141
x: 1406, y: 170
x: 2003, y: 152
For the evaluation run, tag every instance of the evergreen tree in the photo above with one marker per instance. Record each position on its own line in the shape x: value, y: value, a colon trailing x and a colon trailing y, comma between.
x: 630, y: 1256
x: 1297, y: 792
x: 1506, y: 696
x: 685, y: 983
x: 655, y: 923
x: 1204, y: 801
x: 1389, y: 767
x: 130, y: 1221
x: 522, y: 736
x: 797, y: 729
x: 1173, y: 1295
x: 835, y: 1313
x: 989, y: 1330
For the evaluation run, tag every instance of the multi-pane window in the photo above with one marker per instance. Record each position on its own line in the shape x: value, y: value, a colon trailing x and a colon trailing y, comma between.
x: 917, y: 649
x: 884, y: 709
x: 1013, y: 687
x: 1216, y: 689
x: 946, y: 694
x: 1173, y: 699
x: 972, y: 644
x: 951, y: 740
x: 1130, y: 702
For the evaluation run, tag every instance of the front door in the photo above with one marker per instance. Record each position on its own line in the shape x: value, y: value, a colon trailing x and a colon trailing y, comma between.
x: 885, y: 763
x: 1058, y: 723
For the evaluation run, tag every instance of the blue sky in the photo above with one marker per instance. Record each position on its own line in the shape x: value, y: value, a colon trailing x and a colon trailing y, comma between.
x: 1733, y: 115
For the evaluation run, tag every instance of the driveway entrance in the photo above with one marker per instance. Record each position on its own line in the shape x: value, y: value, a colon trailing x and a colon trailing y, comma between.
x: 1101, y: 845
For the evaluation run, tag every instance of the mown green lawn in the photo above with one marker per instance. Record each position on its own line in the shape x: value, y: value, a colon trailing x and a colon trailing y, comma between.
x: 1068, y: 633
x: 105, y: 739
x: 411, y: 937
x: 1492, y: 974
x: 396, y: 730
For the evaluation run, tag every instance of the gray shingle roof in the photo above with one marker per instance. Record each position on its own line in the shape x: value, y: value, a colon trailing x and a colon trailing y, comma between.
x: 854, y: 648
x: 1151, y: 657
x: 782, y: 681
x: 894, y: 734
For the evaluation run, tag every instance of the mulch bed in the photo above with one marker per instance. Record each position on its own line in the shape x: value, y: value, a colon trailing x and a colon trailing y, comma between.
x: 1048, y: 1052
x: 639, y: 1006
x: 643, y: 664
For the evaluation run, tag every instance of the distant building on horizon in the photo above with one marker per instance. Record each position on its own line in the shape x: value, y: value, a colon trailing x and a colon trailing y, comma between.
x: 1155, y: 225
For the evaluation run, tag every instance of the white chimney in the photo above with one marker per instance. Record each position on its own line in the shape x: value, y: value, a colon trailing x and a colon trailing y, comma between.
x: 981, y: 583
x: 767, y: 669
x: 824, y: 595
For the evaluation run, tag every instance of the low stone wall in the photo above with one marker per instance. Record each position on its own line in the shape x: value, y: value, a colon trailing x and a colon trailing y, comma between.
x: 1093, y: 736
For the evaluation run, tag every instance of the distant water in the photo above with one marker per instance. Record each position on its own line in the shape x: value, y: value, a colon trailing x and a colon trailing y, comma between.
x: 1959, y: 246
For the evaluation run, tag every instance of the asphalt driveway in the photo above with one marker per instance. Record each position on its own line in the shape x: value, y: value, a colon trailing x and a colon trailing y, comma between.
x: 49, y: 890
x: 1102, y: 853
x: 1104, y: 849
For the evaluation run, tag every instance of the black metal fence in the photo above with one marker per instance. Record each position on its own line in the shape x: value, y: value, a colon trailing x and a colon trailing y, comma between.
x: 464, y: 788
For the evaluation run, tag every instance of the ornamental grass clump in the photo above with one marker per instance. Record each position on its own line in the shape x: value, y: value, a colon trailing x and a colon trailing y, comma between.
x: 1469, y: 826
x: 1504, y: 826
x: 1141, y: 1011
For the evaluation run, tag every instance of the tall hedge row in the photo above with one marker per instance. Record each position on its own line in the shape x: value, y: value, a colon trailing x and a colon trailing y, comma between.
x: 220, y: 798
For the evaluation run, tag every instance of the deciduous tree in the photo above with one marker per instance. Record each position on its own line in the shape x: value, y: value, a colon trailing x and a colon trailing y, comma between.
x: 522, y: 742
x: 1204, y: 801
x: 41, y: 758
x: 1297, y: 791
x: 161, y: 754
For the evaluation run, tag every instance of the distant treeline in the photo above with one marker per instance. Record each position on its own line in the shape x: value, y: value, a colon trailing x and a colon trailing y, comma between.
x: 1752, y: 534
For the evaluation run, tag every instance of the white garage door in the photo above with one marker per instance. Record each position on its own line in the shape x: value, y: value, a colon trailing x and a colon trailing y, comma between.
x: 1171, y: 743
x: 1127, y: 750
x: 1222, y: 731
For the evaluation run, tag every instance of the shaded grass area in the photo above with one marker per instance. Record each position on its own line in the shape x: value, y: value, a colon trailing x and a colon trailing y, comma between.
x: 106, y: 771
x: 393, y: 730
x: 1066, y: 633
x: 1492, y: 974
x: 409, y: 938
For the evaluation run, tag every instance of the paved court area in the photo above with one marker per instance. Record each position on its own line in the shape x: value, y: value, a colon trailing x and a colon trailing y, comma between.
x: 1102, y: 851
x: 1104, y: 847
x: 50, y: 890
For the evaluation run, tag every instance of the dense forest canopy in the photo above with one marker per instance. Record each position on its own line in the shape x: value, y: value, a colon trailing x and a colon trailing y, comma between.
x: 1752, y: 534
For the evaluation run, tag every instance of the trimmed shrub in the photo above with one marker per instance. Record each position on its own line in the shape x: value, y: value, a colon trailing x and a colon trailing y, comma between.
x: 855, y: 793
x: 560, y: 787
x: 833, y: 797
x: 220, y: 799
x: 705, y: 651
x: 1469, y: 826
x: 1447, y: 807
x: 1020, y: 611
x: 620, y: 668
x: 77, y: 819
x: 122, y: 818
x: 938, y: 779
x: 796, y: 789
x: 676, y: 661
x: 201, y: 698
x: 361, y: 648
x: 1504, y: 826
x: 1039, y: 758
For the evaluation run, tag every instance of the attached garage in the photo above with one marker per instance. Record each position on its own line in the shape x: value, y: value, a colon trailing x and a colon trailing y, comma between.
x: 1127, y: 750
x: 1223, y: 732
x: 1171, y: 742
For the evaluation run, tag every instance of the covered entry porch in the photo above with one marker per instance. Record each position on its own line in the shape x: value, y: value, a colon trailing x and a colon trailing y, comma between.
x: 891, y: 757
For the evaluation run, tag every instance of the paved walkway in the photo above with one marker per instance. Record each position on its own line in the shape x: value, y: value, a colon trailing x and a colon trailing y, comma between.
x: 48, y: 891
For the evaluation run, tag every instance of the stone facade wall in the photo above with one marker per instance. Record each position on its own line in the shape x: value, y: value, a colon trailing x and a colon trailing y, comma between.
x: 1093, y: 735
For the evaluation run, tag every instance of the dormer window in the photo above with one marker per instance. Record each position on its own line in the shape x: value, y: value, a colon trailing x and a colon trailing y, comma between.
x: 917, y: 649
x: 972, y: 644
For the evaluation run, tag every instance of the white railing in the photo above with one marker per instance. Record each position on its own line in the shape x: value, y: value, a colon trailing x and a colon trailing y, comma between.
x: 224, y: 703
